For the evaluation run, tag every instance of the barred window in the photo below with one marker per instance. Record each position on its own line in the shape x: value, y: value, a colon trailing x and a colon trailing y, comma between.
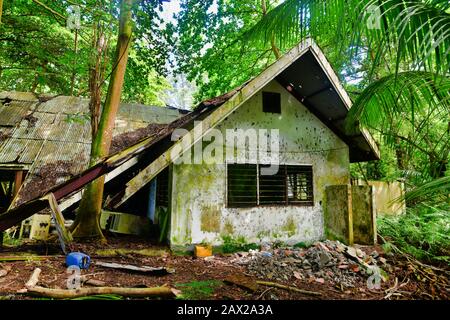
x: 162, y: 188
x: 291, y: 185
x: 242, y: 185
x: 300, y: 185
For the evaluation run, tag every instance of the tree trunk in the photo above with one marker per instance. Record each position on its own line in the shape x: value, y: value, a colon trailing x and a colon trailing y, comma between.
x: 87, y: 222
x: 1, y: 10
x: 163, y: 292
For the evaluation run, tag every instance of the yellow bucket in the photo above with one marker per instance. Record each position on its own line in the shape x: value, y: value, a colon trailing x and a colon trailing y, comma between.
x: 202, y: 251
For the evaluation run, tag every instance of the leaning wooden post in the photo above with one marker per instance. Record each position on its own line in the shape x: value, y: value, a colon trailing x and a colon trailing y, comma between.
x: 65, y: 237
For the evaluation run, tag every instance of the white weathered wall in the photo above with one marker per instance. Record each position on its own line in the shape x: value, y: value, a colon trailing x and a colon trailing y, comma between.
x: 199, y: 209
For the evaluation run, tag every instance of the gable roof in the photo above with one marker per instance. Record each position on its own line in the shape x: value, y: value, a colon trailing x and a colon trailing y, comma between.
x: 309, y: 77
x: 303, y: 71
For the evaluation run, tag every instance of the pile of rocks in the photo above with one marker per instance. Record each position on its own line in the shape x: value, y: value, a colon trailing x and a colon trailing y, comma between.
x: 328, y: 261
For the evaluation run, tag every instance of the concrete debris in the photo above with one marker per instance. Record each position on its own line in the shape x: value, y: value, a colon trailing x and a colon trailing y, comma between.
x: 324, y: 262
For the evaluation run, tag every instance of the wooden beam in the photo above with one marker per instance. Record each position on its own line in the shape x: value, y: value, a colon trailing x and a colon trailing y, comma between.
x: 73, y: 199
x: 17, y: 214
x: 17, y: 182
x: 65, y: 237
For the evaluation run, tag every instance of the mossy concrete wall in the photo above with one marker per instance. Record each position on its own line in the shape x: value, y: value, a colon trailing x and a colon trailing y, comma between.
x: 199, y: 209
x: 363, y: 213
x: 350, y: 215
x: 386, y: 196
x: 338, y: 213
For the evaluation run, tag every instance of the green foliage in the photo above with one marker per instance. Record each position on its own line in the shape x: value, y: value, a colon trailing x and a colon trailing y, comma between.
x: 210, y: 44
x: 415, y: 31
x: 11, y: 241
x: 437, y: 190
x: 231, y: 245
x: 301, y: 245
x: 37, y: 50
x: 423, y: 232
x: 198, y: 290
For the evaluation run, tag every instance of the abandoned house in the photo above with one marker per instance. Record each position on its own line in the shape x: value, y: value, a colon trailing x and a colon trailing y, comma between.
x: 307, y: 199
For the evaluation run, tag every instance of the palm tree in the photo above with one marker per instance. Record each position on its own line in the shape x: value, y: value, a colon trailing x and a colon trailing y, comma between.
x: 406, y: 44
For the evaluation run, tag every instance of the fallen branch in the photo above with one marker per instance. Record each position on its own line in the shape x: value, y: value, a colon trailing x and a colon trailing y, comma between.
x: 23, y: 258
x: 4, y: 271
x: 83, y: 292
x: 34, y: 279
x: 131, y: 268
x: 95, y: 283
x: 281, y: 286
x: 264, y: 292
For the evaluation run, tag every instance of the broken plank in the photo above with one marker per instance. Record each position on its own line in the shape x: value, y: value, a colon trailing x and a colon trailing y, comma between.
x: 65, y: 237
x: 34, y: 279
x: 131, y: 268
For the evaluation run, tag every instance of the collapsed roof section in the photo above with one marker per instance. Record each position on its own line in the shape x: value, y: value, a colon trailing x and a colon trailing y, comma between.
x: 50, y: 137
x: 303, y: 71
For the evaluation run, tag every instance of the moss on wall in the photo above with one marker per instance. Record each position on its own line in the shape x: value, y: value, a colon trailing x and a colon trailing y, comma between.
x: 290, y: 227
x: 228, y: 228
x: 210, y: 219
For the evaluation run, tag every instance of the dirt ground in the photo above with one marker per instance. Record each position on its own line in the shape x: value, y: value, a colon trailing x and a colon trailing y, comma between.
x: 200, y: 278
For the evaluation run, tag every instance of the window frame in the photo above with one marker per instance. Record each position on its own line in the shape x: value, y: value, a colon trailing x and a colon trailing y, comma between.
x: 267, y: 107
x: 287, y: 202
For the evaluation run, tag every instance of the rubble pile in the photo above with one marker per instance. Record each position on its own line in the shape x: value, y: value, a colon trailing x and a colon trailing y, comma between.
x: 328, y: 261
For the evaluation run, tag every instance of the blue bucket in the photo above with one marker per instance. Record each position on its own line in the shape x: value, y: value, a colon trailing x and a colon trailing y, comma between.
x: 78, y: 259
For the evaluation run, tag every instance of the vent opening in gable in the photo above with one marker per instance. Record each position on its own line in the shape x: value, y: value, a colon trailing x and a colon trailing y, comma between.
x: 271, y: 102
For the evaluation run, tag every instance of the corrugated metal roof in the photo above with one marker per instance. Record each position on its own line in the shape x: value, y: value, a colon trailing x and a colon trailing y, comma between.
x: 149, y: 114
x: 41, y: 131
x: 16, y: 95
x: 11, y: 113
x: 22, y: 151
x: 64, y: 104
x: 75, y: 153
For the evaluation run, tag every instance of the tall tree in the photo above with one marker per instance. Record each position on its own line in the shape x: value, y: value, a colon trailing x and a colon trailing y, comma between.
x: 148, y: 49
x: 210, y: 43
x: 1, y: 10
x: 87, y: 222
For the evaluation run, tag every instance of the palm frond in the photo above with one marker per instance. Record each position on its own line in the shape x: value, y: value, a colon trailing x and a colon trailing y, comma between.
x: 293, y: 20
x: 418, y: 31
x: 413, y: 30
x: 434, y: 188
x: 394, y: 95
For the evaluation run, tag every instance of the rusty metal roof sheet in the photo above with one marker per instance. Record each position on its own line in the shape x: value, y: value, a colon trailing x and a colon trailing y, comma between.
x: 39, y: 131
x: 23, y: 151
x: 64, y: 104
x: 12, y: 112
x: 16, y: 95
